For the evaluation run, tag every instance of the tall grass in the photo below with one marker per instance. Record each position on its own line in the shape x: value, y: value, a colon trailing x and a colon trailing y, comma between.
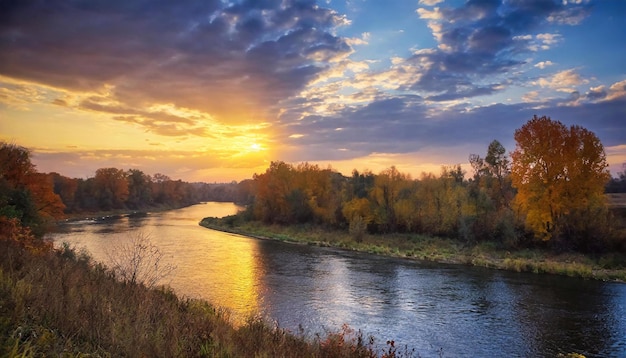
x: 60, y: 303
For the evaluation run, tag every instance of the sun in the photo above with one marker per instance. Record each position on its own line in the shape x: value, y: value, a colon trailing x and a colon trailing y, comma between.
x: 256, y: 147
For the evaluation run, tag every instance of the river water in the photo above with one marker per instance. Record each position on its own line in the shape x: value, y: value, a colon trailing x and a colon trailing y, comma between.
x: 438, y: 310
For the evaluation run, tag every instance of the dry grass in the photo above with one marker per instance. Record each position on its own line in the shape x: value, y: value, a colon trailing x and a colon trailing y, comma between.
x: 59, y: 303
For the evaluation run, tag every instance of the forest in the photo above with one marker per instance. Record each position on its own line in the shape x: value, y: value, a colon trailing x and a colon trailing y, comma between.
x: 550, y: 193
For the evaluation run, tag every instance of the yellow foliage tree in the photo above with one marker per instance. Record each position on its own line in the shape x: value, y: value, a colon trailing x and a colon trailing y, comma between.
x: 560, y: 174
x: 385, y: 194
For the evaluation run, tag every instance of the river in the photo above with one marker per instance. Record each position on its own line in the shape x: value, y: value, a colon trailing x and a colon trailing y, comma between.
x: 436, y: 309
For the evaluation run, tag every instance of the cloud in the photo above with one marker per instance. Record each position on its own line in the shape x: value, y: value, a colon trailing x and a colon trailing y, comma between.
x: 596, y: 93
x: 430, y: 2
x: 189, y: 165
x: 532, y: 96
x: 199, y: 69
x: 562, y: 81
x: 543, y: 41
x: 423, y: 101
x: 484, y: 38
x: 544, y: 64
x: 617, y: 91
x: 206, y: 55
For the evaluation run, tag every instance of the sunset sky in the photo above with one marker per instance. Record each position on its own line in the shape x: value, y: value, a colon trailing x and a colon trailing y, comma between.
x: 210, y: 90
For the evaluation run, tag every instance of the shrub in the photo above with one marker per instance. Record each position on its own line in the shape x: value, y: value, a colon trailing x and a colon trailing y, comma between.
x: 139, y: 261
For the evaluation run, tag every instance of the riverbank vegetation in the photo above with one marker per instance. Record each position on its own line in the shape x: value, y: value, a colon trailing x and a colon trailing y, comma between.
x: 606, y: 266
x: 543, y: 209
x: 61, y: 303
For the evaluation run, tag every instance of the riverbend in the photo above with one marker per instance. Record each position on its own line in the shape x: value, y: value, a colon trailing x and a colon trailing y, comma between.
x: 429, y: 307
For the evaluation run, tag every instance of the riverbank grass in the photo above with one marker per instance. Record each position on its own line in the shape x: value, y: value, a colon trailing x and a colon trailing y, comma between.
x: 61, y: 303
x: 434, y: 249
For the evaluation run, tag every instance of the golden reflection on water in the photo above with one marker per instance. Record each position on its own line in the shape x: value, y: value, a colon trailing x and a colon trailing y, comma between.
x: 229, y: 273
x: 241, y: 270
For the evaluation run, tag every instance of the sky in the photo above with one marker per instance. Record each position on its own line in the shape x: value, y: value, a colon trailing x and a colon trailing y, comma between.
x: 214, y: 91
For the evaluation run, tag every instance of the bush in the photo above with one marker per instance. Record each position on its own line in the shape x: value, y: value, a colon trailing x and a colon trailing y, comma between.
x: 139, y: 261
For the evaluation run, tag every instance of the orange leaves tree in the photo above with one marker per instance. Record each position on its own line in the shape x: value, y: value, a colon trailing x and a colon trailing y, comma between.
x: 25, y: 194
x: 287, y: 194
x: 560, y: 174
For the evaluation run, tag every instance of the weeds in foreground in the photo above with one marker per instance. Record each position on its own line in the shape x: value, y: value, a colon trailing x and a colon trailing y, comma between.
x: 59, y: 303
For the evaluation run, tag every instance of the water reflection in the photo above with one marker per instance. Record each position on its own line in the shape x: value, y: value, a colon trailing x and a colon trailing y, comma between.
x: 456, y: 310
x: 229, y: 274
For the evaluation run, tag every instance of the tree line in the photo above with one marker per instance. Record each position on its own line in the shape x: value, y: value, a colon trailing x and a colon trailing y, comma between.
x: 117, y: 189
x: 33, y: 199
x: 548, y: 192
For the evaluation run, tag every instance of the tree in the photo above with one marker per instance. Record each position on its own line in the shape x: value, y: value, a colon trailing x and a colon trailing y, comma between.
x: 560, y: 174
x: 111, y: 188
x: 491, y: 194
x: 66, y: 188
x: 26, y: 194
x: 385, y: 194
x: 139, y: 189
x: 273, y: 201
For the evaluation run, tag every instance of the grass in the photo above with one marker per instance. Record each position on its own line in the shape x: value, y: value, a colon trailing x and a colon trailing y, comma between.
x: 610, y: 266
x: 60, y: 303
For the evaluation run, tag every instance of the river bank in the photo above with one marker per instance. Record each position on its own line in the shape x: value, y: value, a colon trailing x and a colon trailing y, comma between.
x: 607, y: 267
x: 61, y: 303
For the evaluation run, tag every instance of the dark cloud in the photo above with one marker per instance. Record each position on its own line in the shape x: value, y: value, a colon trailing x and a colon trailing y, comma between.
x: 203, y: 54
x: 400, y: 125
x: 159, y: 122
x: 482, y: 38
x: 596, y: 94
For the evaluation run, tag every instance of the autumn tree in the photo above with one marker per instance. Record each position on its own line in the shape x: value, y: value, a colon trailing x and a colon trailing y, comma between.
x: 111, y: 188
x: 276, y: 194
x: 66, y: 188
x: 139, y: 189
x: 442, y: 202
x: 26, y: 194
x: 385, y: 194
x: 560, y: 174
x: 491, y: 193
